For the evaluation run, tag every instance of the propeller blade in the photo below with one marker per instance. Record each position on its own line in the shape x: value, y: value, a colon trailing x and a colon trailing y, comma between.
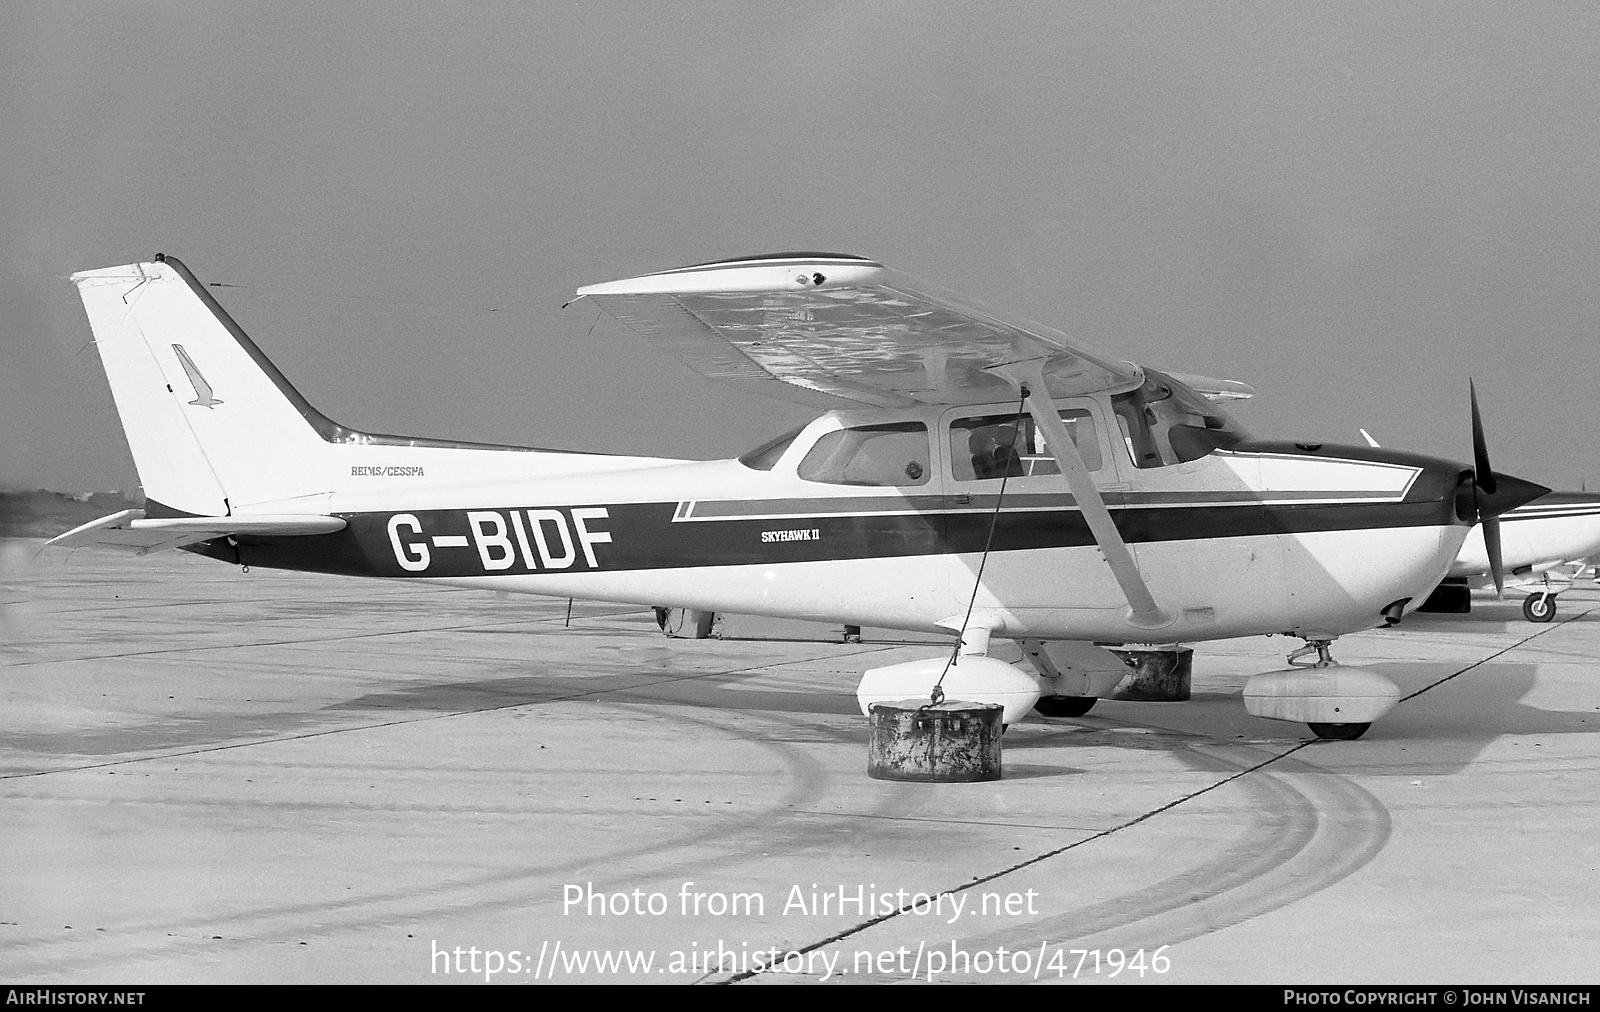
x: 1494, y: 494
x: 1483, y: 475
x: 1491, y: 544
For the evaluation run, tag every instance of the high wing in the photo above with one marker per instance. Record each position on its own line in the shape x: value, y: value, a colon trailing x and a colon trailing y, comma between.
x: 834, y: 330
x: 854, y: 332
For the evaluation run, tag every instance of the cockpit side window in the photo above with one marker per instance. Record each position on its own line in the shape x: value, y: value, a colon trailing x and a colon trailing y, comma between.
x: 998, y: 446
x: 1164, y: 423
x: 895, y: 454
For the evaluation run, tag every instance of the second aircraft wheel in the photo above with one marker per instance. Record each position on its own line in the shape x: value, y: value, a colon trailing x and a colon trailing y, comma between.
x: 1539, y: 607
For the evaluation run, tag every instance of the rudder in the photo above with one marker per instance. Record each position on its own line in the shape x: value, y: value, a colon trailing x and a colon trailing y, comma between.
x: 212, y: 425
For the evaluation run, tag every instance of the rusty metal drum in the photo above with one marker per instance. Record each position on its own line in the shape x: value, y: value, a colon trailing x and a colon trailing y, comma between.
x: 954, y: 742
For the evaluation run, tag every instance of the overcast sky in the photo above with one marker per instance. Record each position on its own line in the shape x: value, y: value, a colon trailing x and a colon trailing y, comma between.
x: 1353, y: 207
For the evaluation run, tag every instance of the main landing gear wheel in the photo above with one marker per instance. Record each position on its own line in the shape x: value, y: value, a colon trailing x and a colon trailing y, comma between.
x: 1539, y: 607
x: 1339, y: 732
x: 1065, y: 706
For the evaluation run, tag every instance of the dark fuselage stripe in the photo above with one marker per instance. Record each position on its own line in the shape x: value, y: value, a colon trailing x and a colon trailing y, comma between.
x: 724, y: 509
x: 644, y: 536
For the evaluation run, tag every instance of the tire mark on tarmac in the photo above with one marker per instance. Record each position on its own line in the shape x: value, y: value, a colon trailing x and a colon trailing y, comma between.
x: 1308, y: 830
x: 1037, y: 859
x: 296, y: 641
x: 1288, y: 852
x: 1293, y: 853
x: 585, y: 693
x: 500, y: 890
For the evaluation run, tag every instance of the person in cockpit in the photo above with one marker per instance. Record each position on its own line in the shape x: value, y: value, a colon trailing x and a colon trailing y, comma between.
x: 994, y: 452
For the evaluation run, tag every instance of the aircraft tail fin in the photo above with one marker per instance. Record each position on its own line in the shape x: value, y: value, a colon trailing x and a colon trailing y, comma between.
x: 212, y: 424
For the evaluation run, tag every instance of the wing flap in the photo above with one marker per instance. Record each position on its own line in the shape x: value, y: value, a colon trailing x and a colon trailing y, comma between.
x: 130, y: 530
x: 847, y: 329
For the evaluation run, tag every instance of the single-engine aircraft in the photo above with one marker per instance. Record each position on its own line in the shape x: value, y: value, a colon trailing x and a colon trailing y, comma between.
x: 975, y: 473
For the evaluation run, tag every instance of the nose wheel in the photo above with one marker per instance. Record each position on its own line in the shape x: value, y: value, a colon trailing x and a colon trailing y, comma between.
x: 1339, y: 732
x: 1324, y: 652
x: 1335, y: 702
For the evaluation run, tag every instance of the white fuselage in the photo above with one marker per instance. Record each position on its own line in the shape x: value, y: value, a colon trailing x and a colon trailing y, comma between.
x: 1238, y: 542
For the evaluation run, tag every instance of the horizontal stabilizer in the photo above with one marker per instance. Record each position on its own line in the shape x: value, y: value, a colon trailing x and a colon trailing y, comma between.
x: 129, y: 529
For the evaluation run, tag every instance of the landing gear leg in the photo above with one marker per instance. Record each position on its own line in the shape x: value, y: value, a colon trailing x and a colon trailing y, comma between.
x: 1322, y: 648
x: 1069, y: 674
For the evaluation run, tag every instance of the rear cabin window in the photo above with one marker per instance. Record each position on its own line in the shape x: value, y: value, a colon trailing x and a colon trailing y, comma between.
x: 1000, y: 446
x: 894, y: 454
x: 764, y: 456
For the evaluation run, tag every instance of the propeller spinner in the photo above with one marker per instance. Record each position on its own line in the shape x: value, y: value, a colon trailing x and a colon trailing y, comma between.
x: 1494, y: 494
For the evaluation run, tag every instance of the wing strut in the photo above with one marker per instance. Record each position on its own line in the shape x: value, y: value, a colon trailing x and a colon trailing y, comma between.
x: 1028, y: 375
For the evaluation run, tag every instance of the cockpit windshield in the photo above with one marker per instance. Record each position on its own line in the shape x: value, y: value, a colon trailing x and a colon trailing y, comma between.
x: 1165, y: 422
